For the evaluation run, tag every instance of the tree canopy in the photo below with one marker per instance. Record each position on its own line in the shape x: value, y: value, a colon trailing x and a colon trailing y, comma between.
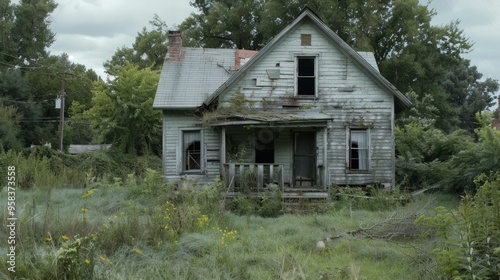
x: 30, y: 77
x: 122, y: 110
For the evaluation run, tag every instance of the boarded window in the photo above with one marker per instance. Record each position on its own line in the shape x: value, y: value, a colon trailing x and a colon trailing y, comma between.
x: 191, y: 150
x: 306, y: 76
x: 358, y: 150
x: 305, y: 39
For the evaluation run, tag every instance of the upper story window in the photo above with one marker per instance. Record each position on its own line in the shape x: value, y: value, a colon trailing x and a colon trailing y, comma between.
x: 191, y: 149
x: 306, y: 73
x: 305, y: 39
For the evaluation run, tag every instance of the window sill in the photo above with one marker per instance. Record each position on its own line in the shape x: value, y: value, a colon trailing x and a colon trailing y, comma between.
x: 306, y: 97
x: 350, y: 171
x: 192, y: 172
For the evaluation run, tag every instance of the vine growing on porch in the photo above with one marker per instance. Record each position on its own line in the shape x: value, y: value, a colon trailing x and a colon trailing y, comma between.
x: 238, y: 104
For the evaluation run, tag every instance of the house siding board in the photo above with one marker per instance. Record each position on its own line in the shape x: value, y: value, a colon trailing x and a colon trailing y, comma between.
x: 174, y: 122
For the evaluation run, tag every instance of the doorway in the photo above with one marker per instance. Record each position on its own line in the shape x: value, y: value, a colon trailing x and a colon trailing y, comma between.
x: 304, y: 158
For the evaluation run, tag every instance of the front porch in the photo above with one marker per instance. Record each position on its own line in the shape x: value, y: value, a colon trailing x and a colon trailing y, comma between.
x: 261, y: 179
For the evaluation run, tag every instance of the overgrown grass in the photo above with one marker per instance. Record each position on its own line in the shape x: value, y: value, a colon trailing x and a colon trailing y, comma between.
x: 146, y: 229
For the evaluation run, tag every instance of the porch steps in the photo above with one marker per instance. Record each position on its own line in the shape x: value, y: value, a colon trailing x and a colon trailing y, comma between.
x: 288, y: 194
x: 305, y: 193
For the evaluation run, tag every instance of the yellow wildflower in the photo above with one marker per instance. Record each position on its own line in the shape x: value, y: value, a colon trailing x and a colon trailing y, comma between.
x: 138, y: 251
x: 48, y: 239
x: 88, y: 193
x: 64, y: 237
x: 87, y: 261
x: 84, y: 209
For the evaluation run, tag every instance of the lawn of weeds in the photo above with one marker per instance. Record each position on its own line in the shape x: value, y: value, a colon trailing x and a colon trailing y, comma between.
x: 149, y: 230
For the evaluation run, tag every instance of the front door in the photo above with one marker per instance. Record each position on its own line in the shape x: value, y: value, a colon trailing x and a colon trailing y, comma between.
x: 304, y: 158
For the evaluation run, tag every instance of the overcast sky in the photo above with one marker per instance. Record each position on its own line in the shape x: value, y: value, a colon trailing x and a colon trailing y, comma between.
x: 90, y: 31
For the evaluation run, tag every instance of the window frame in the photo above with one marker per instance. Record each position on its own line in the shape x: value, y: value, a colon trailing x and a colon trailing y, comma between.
x: 349, y: 151
x: 183, y: 152
x: 298, y: 57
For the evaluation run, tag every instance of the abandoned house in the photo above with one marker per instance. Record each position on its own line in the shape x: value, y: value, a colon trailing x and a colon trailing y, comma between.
x: 304, y: 112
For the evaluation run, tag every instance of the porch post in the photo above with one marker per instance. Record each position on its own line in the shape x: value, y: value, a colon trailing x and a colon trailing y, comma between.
x: 325, y: 157
x: 222, y: 149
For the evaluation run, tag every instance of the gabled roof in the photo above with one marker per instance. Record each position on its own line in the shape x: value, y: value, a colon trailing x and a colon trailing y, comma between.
x: 186, y: 83
x: 307, y: 14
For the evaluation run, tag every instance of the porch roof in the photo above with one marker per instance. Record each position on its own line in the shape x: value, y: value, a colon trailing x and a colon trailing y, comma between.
x: 275, y: 118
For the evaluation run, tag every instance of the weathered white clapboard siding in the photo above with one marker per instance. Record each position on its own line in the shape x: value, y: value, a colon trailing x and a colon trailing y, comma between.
x: 344, y: 91
x: 174, y: 122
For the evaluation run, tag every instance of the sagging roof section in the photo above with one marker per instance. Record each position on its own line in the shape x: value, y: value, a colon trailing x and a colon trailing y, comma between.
x: 273, y: 118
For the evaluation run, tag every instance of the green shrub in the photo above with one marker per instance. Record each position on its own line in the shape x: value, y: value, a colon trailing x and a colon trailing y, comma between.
x: 265, y: 205
x: 369, y: 198
x: 469, y: 241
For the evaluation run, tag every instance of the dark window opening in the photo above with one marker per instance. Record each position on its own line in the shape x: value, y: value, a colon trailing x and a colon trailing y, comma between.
x: 306, y: 78
x: 264, y: 146
x: 193, y: 155
x: 192, y: 150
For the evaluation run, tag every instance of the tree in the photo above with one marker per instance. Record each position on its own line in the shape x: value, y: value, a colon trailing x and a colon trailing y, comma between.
x: 148, y: 49
x: 44, y: 82
x: 30, y: 31
x: 224, y: 24
x: 481, y: 157
x: 9, y: 130
x: 122, y: 111
x: 468, y: 93
x: 15, y: 98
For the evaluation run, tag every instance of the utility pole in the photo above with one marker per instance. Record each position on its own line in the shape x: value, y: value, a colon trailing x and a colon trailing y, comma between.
x: 61, y: 117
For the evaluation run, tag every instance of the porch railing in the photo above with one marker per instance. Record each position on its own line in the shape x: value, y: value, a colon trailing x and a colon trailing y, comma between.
x: 253, y: 176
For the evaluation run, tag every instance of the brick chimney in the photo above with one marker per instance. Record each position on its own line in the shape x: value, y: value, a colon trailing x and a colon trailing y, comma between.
x: 175, y: 45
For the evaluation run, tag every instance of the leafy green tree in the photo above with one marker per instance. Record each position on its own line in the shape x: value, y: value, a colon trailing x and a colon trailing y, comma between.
x: 224, y: 23
x: 15, y: 97
x: 148, y: 49
x: 7, y: 46
x: 468, y: 93
x: 30, y: 30
x: 122, y: 111
x: 423, y: 154
x: 9, y: 128
x: 479, y: 157
x: 423, y: 112
x: 45, y: 85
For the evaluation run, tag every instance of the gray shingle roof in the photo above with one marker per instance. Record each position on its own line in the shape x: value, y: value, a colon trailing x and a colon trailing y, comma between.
x: 187, y: 83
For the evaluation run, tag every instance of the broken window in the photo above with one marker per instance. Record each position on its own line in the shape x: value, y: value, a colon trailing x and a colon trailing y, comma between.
x: 358, y: 150
x: 191, y: 150
x: 306, y: 76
